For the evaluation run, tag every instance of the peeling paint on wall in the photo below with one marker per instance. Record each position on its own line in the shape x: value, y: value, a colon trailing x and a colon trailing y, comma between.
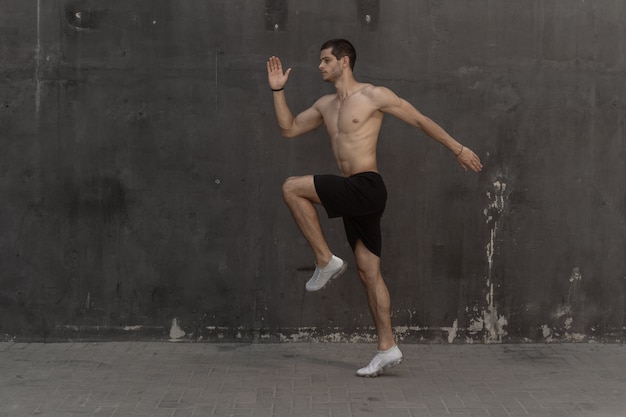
x: 176, y: 333
x: 562, y: 321
x: 312, y: 334
x: 405, y: 334
x: 452, y: 331
x: 492, y: 323
x: 576, y: 275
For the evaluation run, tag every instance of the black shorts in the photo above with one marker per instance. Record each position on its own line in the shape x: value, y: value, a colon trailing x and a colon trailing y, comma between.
x: 360, y: 200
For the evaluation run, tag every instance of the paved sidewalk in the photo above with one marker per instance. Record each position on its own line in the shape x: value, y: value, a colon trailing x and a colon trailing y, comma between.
x: 125, y: 379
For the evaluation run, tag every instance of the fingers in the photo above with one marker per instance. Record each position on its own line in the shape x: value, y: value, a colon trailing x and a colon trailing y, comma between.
x: 274, y: 64
x: 473, y: 164
x: 275, y: 75
x: 470, y: 160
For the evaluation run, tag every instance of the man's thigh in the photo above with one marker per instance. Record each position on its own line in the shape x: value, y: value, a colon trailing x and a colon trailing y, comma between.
x: 303, y: 186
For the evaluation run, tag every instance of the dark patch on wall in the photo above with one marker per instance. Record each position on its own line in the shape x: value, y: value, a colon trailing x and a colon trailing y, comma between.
x: 105, y: 197
x: 276, y: 15
x: 368, y: 14
x: 81, y: 18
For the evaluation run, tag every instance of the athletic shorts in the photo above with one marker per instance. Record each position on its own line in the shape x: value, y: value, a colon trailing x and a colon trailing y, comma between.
x: 360, y: 199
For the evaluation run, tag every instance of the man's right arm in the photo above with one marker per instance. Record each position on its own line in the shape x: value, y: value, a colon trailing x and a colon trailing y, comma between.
x: 290, y: 126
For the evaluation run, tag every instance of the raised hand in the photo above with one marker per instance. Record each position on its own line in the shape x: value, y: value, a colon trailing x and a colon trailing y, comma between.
x: 275, y: 76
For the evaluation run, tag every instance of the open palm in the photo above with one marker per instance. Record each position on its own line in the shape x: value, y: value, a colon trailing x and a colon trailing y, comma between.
x: 275, y: 76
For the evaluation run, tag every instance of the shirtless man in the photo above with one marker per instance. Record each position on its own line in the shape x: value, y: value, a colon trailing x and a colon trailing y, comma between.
x: 353, y: 117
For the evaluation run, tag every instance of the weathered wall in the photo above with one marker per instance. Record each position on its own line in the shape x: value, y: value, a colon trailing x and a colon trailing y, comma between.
x: 141, y: 165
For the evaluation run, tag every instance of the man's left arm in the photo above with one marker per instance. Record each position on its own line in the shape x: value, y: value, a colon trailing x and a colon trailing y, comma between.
x: 389, y: 102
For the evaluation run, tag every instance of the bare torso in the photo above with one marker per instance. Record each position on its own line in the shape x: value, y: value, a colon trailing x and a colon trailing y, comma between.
x: 353, y: 124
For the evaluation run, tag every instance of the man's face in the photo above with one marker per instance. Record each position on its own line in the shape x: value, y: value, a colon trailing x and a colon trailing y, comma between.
x: 330, y: 66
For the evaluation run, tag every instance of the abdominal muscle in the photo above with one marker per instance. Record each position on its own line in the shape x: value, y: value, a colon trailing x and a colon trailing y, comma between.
x: 355, y: 151
x: 353, y: 127
x: 354, y: 156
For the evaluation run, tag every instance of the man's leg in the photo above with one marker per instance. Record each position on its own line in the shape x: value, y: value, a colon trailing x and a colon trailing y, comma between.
x: 378, y: 298
x: 300, y: 195
x: 379, y: 302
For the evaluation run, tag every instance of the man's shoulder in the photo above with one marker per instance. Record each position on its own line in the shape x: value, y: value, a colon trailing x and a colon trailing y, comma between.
x: 380, y: 96
x: 372, y: 90
x: 325, y: 99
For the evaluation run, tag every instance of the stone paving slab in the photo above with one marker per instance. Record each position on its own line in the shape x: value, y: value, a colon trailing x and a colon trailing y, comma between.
x: 160, y: 379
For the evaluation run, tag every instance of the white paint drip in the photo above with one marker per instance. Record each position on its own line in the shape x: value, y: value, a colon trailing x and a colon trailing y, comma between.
x: 492, y: 323
x: 476, y: 325
x: 406, y: 329
x: 310, y: 334
x: 564, y: 314
x: 452, y: 331
x: 563, y: 311
x: 176, y: 333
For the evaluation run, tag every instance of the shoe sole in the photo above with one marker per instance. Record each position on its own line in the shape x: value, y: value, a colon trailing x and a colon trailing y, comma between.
x: 343, y: 269
x: 382, y: 370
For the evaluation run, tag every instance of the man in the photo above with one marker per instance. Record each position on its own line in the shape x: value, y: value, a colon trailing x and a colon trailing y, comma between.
x: 353, y: 117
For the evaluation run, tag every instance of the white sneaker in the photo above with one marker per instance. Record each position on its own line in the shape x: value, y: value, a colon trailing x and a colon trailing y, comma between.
x: 382, y: 360
x: 336, y: 266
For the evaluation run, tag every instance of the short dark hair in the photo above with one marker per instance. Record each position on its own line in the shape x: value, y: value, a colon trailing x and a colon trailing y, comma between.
x: 341, y: 48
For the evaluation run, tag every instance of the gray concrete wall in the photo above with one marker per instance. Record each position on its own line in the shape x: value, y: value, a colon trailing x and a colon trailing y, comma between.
x: 141, y: 165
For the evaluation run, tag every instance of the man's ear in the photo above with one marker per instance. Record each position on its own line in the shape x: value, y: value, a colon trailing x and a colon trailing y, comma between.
x: 345, y: 61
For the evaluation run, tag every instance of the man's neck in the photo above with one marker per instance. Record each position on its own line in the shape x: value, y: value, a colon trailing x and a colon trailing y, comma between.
x: 346, y: 86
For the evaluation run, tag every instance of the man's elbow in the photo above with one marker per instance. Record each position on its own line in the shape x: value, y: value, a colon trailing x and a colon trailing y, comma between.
x: 422, y: 121
x: 288, y: 133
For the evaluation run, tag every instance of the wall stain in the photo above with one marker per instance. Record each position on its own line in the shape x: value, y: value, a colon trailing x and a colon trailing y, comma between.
x: 562, y: 323
x: 86, y: 18
x: 103, y: 196
x: 490, y: 322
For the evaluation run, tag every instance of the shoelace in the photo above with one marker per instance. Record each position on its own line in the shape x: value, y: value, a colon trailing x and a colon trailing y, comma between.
x: 316, y: 275
x: 376, y: 361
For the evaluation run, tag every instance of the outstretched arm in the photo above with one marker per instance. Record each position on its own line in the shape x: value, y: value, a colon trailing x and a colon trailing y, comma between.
x: 390, y: 103
x: 290, y: 126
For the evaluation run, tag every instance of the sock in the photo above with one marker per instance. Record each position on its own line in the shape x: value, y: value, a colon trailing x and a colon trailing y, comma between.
x: 332, y: 264
x: 388, y: 350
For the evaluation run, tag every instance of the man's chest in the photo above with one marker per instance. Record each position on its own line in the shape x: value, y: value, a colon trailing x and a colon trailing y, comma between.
x: 350, y: 115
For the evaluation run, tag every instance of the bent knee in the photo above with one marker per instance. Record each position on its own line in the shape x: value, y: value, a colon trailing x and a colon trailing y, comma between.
x: 300, y: 187
x: 290, y: 186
